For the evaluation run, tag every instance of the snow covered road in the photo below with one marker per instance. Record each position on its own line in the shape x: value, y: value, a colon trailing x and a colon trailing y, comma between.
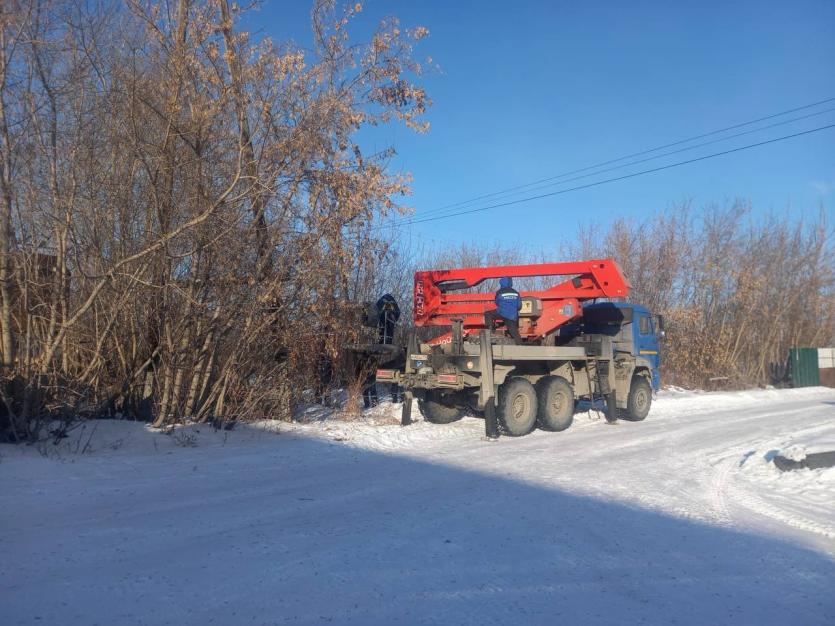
x: 680, y: 519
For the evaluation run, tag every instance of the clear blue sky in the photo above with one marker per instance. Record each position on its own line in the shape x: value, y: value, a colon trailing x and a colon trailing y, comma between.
x: 527, y: 90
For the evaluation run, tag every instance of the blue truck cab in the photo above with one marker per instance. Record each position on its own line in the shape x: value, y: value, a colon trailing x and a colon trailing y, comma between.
x: 635, y: 334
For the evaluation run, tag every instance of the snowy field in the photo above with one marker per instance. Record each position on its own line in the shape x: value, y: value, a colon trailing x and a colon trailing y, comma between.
x: 681, y: 519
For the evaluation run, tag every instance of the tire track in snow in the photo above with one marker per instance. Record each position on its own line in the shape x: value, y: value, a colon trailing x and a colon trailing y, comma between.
x: 713, y: 474
x: 727, y: 479
x: 755, y: 504
x: 718, y: 493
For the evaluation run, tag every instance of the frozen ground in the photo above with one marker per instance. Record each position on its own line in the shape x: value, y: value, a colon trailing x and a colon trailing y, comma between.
x: 681, y: 519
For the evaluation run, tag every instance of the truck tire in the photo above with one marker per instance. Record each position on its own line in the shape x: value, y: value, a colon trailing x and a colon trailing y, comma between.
x: 517, y: 407
x: 639, y: 401
x: 438, y: 413
x: 555, y: 398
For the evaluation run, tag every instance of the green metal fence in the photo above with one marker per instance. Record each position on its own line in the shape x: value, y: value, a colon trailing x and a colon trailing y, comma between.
x: 804, y: 367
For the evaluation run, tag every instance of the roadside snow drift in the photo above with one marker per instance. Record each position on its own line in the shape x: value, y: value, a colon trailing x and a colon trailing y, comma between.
x: 679, y: 519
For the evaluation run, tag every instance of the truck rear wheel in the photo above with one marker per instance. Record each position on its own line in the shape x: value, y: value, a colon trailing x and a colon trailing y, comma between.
x: 639, y: 401
x: 555, y: 398
x: 437, y: 412
x: 517, y: 407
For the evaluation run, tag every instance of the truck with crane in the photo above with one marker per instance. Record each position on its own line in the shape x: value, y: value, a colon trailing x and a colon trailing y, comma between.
x: 581, y: 342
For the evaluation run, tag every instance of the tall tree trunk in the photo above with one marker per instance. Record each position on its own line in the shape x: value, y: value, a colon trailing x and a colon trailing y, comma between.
x: 257, y: 197
x: 6, y: 232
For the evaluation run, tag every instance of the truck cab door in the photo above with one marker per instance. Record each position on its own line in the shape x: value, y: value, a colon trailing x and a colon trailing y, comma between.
x: 646, y: 345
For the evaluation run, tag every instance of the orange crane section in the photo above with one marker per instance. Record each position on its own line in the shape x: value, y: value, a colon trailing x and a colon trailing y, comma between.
x: 439, y: 301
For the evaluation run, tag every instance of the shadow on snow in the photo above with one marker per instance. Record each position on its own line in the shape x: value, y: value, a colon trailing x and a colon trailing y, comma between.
x: 301, y: 530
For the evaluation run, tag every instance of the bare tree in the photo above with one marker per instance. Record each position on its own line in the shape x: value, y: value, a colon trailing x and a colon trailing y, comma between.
x: 192, y: 212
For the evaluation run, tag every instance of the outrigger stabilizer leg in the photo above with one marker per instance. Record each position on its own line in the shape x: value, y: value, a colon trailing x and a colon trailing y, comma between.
x: 487, y: 394
x: 608, y: 392
x: 406, y: 414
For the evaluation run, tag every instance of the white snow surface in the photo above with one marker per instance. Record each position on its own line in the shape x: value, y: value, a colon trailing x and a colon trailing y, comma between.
x: 680, y: 519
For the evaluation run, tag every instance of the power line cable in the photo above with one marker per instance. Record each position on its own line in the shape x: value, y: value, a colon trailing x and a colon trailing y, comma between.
x: 652, y: 158
x: 608, y: 180
x: 629, y: 156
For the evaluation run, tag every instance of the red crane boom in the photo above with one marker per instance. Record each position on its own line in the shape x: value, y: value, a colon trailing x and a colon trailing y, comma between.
x: 437, y: 304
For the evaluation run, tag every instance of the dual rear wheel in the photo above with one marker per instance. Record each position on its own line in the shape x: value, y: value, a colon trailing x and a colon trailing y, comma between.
x: 550, y: 405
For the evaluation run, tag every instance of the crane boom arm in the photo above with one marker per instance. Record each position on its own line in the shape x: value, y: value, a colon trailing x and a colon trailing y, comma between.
x: 438, y: 299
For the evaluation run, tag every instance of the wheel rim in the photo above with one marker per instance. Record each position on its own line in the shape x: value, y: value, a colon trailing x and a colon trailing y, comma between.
x: 520, y: 407
x: 641, y: 401
x: 558, y: 402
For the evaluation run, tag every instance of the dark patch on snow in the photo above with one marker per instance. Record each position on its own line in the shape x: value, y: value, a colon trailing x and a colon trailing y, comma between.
x: 818, y: 460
